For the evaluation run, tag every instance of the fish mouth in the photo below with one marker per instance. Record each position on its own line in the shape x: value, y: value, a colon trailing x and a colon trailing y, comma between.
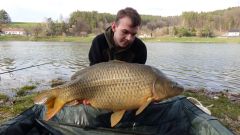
x: 179, y: 88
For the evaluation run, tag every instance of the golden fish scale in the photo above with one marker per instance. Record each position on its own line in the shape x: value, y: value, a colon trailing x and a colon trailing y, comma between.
x: 115, y: 87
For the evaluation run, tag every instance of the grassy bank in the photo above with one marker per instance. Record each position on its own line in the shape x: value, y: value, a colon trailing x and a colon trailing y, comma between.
x: 15, y: 106
x: 11, y: 107
x: 227, y: 112
x: 25, y: 25
x: 48, y: 38
x: 193, y: 40
x: 89, y: 39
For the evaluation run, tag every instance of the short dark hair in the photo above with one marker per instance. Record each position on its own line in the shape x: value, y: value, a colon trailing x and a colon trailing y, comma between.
x: 131, y: 13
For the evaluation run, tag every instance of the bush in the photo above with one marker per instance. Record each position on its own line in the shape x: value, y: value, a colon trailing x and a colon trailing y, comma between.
x: 184, y: 32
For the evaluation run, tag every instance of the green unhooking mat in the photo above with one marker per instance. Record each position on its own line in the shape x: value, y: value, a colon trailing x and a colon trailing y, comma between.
x: 174, y: 116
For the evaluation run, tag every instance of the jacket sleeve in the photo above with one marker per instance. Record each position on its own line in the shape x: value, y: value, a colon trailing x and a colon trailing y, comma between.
x: 141, y: 53
x: 95, y: 55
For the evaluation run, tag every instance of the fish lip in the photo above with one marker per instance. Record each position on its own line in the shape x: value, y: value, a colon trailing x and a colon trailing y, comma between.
x: 180, y: 88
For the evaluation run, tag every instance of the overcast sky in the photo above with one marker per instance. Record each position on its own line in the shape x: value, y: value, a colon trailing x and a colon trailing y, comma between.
x: 38, y: 10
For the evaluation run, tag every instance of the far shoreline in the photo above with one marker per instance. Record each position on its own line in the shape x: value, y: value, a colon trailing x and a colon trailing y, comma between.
x: 88, y: 39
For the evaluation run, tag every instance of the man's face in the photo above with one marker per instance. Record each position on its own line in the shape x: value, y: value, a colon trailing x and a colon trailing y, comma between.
x: 124, y: 34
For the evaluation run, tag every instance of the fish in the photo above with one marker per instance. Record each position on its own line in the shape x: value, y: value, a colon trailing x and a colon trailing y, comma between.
x: 115, y: 85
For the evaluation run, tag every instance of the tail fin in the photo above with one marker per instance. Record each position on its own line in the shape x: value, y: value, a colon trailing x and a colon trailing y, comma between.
x: 53, y: 107
x: 45, y: 96
x: 51, y: 100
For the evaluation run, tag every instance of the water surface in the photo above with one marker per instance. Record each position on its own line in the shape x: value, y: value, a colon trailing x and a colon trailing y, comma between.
x: 199, y: 65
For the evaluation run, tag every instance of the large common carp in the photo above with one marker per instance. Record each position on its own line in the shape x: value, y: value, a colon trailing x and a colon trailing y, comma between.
x: 115, y: 85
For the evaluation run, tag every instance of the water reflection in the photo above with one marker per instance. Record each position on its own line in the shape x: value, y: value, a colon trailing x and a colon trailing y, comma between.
x: 7, y: 64
x: 211, y: 66
x: 63, y: 59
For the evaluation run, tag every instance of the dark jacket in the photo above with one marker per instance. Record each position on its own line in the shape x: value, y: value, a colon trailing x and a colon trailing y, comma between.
x: 103, y: 50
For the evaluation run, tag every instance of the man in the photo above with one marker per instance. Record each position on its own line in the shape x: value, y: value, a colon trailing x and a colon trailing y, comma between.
x: 119, y: 41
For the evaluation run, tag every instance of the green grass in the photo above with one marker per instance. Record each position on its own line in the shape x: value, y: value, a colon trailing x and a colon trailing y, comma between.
x: 14, y: 38
x: 23, y: 90
x: 3, y: 97
x: 48, y: 38
x: 221, y: 107
x: 19, y: 105
x: 64, y: 39
x: 193, y: 40
x: 89, y: 39
x: 226, y: 111
x: 22, y: 103
x: 22, y: 24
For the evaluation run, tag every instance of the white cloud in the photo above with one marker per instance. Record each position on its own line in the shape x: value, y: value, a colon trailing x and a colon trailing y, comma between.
x: 32, y: 10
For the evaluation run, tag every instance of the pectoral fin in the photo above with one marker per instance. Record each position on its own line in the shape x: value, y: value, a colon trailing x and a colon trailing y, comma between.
x: 149, y: 100
x: 73, y: 103
x: 56, y: 107
x: 77, y: 102
x: 116, y: 117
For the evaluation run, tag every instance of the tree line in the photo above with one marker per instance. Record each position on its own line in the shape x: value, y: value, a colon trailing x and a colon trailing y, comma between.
x: 81, y: 23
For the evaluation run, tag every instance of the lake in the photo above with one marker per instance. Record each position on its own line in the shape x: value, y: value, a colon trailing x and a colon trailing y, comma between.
x: 194, y: 65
